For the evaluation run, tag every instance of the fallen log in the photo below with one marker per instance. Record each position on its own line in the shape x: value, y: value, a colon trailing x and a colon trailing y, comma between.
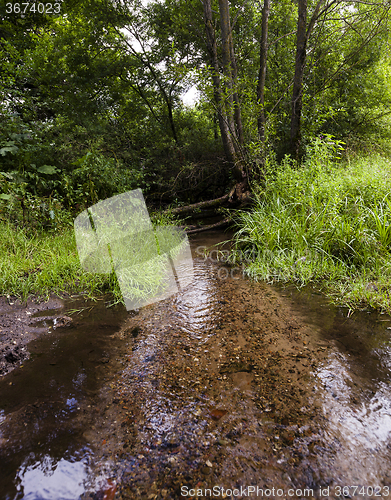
x: 199, y: 229
x: 197, y: 206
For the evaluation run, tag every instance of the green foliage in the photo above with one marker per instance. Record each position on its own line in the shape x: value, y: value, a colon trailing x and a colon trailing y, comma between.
x: 24, y: 209
x: 44, y: 263
x: 90, y: 102
x: 29, y: 191
x: 382, y: 217
x: 90, y: 105
x: 97, y: 177
x: 90, y: 99
x: 327, y: 223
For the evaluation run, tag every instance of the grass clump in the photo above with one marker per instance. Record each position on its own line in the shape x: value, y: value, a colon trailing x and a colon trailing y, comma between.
x: 327, y: 223
x: 43, y: 263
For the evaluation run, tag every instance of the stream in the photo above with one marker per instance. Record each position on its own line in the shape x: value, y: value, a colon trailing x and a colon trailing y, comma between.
x: 228, y: 389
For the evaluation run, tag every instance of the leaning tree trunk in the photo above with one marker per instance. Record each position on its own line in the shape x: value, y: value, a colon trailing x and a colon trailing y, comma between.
x: 262, y: 71
x: 297, y: 96
x: 226, y: 138
x: 226, y: 38
x: 232, y: 105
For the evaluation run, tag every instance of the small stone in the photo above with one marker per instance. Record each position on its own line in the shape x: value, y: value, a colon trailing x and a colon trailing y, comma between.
x: 135, y: 331
x: 208, y: 463
x: 223, y: 442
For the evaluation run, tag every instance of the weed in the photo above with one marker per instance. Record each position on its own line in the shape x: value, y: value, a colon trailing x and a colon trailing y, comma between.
x: 326, y: 223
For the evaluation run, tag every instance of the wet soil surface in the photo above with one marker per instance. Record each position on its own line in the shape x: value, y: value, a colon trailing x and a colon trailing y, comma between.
x: 18, y: 326
x: 229, y: 389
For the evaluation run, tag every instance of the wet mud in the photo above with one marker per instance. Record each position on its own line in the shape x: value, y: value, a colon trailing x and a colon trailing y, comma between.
x: 228, y: 389
x: 19, y: 326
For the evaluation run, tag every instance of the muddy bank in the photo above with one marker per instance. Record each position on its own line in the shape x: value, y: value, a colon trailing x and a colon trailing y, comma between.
x: 19, y: 326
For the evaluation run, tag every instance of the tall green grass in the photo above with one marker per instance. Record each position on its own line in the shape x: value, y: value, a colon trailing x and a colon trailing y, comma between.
x: 44, y: 263
x: 327, y: 223
x: 41, y: 263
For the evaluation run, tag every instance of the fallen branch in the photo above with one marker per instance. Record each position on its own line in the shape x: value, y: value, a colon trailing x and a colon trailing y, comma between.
x: 199, y: 229
x: 196, y: 206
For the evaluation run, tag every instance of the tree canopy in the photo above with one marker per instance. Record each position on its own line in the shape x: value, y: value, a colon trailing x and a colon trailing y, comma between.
x: 91, y: 97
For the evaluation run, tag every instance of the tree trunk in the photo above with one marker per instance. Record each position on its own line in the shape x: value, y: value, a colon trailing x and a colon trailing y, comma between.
x: 228, y: 145
x: 228, y: 113
x: 231, y: 73
x: 197, y: 206
x: 303, y: 35
x: 297, y: 96
x: 232, y: 105
x: 226, y: 44
x: 262, y: 71
x: 237, y: 110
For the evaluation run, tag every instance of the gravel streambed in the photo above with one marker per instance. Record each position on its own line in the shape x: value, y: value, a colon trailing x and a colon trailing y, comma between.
x: 217, y: 390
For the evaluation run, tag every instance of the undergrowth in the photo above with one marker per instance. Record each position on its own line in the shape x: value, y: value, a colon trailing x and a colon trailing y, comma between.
x: 327, y: 223
x: 45, y: 263
x: 41, y: 263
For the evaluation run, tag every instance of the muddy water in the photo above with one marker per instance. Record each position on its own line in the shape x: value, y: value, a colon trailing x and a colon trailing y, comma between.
x: 228, y: 384
x: 354, y: 391
x: 46, y: 405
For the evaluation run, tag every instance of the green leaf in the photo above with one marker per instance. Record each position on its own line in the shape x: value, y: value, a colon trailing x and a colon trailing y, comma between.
x: 47, y: 169
x: 8, y: 175
x: 5, y: 196
x: 8, y: 149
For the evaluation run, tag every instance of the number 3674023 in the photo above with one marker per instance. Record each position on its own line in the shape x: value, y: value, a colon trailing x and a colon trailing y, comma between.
x: 26, y: 7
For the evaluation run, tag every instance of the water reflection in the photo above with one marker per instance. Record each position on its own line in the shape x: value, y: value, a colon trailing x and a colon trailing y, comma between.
x: 49, y: 479
x: 44, y: 407
x: 353, y: 390
x: 196, y: 306
x: 357, y: 422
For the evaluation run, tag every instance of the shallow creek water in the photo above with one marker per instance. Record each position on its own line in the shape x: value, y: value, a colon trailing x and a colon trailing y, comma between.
x: 226, y: 385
